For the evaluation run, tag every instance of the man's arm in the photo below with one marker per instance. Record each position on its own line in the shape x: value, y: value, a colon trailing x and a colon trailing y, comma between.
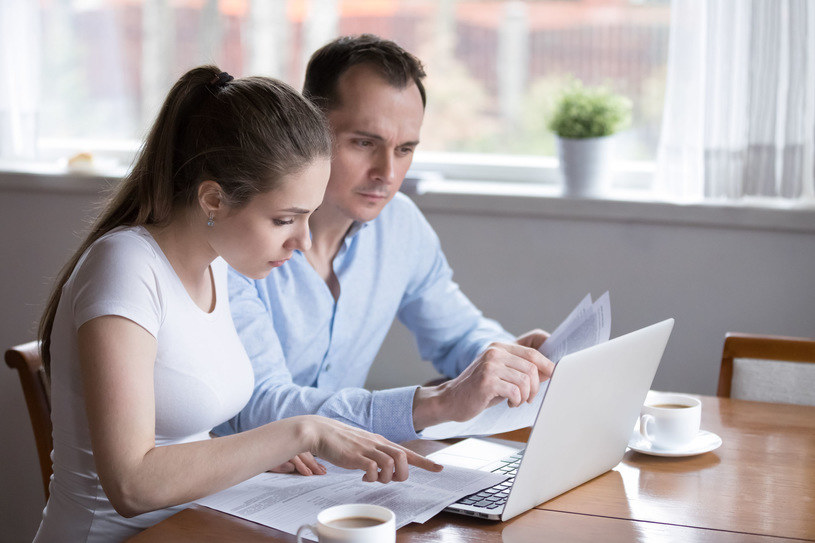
x: 276, y: 396
x: 449, y: 330
x: 487, y: 364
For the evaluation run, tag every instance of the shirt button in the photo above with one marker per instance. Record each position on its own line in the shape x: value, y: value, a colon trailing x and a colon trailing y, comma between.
x: 327, y: 367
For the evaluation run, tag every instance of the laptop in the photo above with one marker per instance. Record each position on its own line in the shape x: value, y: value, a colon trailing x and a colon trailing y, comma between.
x: 582, y: 429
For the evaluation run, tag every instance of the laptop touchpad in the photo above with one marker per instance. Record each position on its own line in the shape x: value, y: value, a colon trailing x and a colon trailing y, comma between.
x: 481, y: 454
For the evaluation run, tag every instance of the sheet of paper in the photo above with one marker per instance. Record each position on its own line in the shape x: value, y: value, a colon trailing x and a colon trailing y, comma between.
x: 494, y: 420
x: 580, y: 312
x: 588, y: 324
x: 286, y: 502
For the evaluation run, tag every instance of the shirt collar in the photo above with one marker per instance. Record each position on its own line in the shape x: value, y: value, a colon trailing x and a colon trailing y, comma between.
x: 355, y: 227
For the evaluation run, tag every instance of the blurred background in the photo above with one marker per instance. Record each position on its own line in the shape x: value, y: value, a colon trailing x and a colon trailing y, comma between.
x: 493, y: 66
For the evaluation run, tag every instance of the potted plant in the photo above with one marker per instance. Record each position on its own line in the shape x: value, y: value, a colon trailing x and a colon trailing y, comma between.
x: 584, y: 119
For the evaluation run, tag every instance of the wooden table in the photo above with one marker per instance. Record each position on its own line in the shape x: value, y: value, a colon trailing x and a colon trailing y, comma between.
x: 758, y: 486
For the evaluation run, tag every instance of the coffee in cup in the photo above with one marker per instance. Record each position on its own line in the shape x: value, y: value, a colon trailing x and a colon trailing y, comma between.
x: 671, y: 421
x: 353, y: 523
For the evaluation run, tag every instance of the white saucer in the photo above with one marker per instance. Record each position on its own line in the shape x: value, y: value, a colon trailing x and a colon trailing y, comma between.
x: 702, y: 443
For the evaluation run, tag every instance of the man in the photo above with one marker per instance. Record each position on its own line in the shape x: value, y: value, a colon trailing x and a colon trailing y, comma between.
x: 314, y: 326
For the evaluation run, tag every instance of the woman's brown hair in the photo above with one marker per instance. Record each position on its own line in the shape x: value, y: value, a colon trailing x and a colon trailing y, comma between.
x: 245, y: 134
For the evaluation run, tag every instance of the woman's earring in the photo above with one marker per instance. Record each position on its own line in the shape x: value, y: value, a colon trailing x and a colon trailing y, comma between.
x: 211, y: 220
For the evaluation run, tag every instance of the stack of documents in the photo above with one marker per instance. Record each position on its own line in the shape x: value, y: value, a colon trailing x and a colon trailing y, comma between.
x: 286, y: 502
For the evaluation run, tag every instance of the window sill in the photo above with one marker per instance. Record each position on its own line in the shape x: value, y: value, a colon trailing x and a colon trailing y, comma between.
x: 628, y: 206
x: 515, y: 199
x: 53, y: 177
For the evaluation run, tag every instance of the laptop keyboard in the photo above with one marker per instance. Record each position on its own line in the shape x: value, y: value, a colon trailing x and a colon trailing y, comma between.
x: 496, y: 496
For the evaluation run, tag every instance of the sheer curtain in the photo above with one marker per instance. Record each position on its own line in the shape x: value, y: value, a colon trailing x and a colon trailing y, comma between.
x: 90, y: 75
x: 19, y: 85
x: 740, y: 100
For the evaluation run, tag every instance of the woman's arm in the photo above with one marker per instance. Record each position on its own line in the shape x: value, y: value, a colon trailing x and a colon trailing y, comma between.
x: 117, y: 357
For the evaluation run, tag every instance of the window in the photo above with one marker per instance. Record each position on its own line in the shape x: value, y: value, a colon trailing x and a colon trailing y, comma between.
x: 493, y: 65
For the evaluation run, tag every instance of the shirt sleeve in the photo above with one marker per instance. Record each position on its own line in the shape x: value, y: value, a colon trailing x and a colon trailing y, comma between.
x: 117, y: 277
x: 276, y: 396
x: 449, y: 330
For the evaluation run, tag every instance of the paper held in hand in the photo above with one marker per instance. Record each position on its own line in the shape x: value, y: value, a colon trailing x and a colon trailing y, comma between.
x: 587, y: 325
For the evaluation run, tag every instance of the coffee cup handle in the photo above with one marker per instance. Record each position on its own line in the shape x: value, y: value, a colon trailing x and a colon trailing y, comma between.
x: 645, y: 420
x: 302, y: 529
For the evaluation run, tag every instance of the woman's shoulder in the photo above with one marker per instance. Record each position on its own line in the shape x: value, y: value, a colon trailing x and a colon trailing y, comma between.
x: 122, y: 252
x: 118, y: 274
x: 127, y: 240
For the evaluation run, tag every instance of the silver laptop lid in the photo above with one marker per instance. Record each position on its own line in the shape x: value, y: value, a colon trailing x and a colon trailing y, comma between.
x: 587, y: 416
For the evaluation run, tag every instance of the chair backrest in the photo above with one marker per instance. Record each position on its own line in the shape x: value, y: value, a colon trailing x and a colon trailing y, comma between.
x: 27, y: 361
x: 768, y: 368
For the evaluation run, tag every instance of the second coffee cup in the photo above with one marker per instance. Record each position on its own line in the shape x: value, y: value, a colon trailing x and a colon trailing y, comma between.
x: 671, y: 421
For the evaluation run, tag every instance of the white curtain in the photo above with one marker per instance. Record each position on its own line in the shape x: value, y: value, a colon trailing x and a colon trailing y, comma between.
x: 90, y: 75
x: 739, y: 115
x: 19, y: 85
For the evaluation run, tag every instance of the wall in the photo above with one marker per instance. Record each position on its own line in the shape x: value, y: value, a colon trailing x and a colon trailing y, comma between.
x: 524, y: 261
x: 713, y: 273
x: 38, y: 233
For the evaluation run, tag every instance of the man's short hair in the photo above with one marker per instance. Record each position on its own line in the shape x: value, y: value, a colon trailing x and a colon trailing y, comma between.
x: 327, y: 64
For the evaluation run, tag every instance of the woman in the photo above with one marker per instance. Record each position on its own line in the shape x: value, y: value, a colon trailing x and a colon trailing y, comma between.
x: 138, y: 338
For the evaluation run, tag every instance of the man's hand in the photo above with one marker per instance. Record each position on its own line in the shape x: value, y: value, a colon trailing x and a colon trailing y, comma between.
x: 504, y: 371
x: 533, y: 338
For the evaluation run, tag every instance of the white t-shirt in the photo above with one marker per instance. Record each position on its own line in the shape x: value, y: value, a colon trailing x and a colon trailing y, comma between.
x: 202, y: 375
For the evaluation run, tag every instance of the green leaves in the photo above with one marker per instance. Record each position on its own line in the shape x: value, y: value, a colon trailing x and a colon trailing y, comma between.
x: 589, y: 112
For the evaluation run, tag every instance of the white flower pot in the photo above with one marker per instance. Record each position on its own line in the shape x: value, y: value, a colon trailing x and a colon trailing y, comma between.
x: 585, y: 165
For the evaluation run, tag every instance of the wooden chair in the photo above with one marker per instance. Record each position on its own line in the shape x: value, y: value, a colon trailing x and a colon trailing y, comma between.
x: 27, y: 361
x: 768, y: 368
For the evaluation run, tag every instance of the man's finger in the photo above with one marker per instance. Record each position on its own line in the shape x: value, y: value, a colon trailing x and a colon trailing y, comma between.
x: 519, y: 383
x: 544, y: 365
x: 531, y: 371
x: 533, y: 338
x: 511, y: 392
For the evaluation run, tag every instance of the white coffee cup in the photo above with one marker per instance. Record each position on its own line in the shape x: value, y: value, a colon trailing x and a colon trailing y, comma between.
x: 670, y: 421
x: 353, y: 523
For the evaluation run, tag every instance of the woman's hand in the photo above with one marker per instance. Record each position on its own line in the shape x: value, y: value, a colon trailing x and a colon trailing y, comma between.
x: 303, y: 463
x: 352, y: 448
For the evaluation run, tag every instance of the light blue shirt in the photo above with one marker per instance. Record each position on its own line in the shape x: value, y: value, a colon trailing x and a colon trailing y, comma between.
x: 312, y: 355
